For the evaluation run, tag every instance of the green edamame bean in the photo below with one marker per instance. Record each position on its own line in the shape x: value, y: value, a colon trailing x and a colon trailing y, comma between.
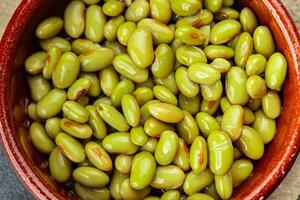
x: 225, y: 104
x: 94, y: 89
x: 90, y: 177
x: 98, y: 156
x: 122, y: 88
x: 164, y: 155
x: 142, y: 171
x: 111, y: 27
x: 168, y: 177
x: 58, y: 42
x: 40, y: 139
x: 224, y: 31
x: 90, y: 2
x: 109, y: 78
x: 248, y: 20
x: 203, y: 73
x: 187, y: 128
x: 233, y: 42
x: 95, y: 21
x: 75, y: 129
x: 145, y: 112
x: 115, y: 46
x: 212, y: 92
x: 243, y: 49
x: 204, y: 17
x: 137, y: 10
x: 221, y: 64
x: 250, y: 143
x: 53, y: 56
x: 79, y: 88
x: 171, y: 195
x: 227, y: 13
x: 70, y: 147
x: 34, y: 63
x: 241, y: 169
x: 39, y: 87
x: 209, y: 107
x: 143, y: 95
x: 212, y: 191
x: 199, y: 196
x: 161, y: 10
x: 74, y: 19
x: 256, y: 64
x: 188, y: 55
x: 102, y: 100
x: 113, y: 117
x: 192, y: 105
x: 164, y: 95
x: 220, y: 152
x: 141, y: 52
x: 115, y: 184
x: 153, y: 127
x: 190, y: 35
x: 59, y: 165
x: 81, y: 46
x: 127, y: 68
x: 119, y: 143
x: 90, y: 60
x: 255, y: 104
x: 131, y: 110
x: 161, y: 33
x: 271, y: 104
x: 169, y: 82
x: 49, y: 28
x: 276, y: 70
x: 249, y: 116
x: 75, y: 111
x: 224, y: 185
x: 51, y: 104
x: 196, y: 182
x: 150, y: 145
x: 182, y: 158
x: 186, y: 7
x: 31, y: 111
x: 66, y: 70
x: 164, y: 61
x: 263, y: 41
x: 166, y: 112
x: 232, y: 121
x: 87, y: 193
x: 138, y: 136
x: 52, y: 127
x: 125, y: 30
x: 123, y: 163
x: 218, y: 51
x: 206, y: 123
x: 213, y: 5
x: 97, y: 124
x: 256, y: 87
x: 198, y: 155
x: 237, y: 153
x: 236, y: 86
x: 228, y: 3
x: 127, y: 192
x: 113, y: 8
x: 264, y: 126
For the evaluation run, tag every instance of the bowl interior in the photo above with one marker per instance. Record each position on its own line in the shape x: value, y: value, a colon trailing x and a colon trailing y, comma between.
x: 32, y: 167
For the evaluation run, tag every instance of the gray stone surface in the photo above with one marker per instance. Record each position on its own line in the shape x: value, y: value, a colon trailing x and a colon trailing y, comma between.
x: 11, y: 188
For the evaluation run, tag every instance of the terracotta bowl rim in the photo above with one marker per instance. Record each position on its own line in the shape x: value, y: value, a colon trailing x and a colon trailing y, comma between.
x: 8, y: 46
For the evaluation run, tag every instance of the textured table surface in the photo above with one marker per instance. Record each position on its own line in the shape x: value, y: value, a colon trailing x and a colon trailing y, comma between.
x: 11, y: 189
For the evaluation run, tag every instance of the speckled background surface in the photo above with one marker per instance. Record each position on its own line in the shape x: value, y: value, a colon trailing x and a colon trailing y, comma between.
x: 11, y: 189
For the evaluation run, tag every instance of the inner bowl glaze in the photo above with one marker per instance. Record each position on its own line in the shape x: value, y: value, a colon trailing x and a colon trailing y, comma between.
x: 19, y: 41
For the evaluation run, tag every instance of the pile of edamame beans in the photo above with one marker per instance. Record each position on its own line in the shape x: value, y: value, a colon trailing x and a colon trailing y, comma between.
x: 159, y: 99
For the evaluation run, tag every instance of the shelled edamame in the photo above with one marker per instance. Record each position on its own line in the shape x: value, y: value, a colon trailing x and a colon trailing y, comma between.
x: 159, y: 99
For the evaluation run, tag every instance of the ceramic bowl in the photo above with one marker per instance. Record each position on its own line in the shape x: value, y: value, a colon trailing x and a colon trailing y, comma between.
x: 18, y: 42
